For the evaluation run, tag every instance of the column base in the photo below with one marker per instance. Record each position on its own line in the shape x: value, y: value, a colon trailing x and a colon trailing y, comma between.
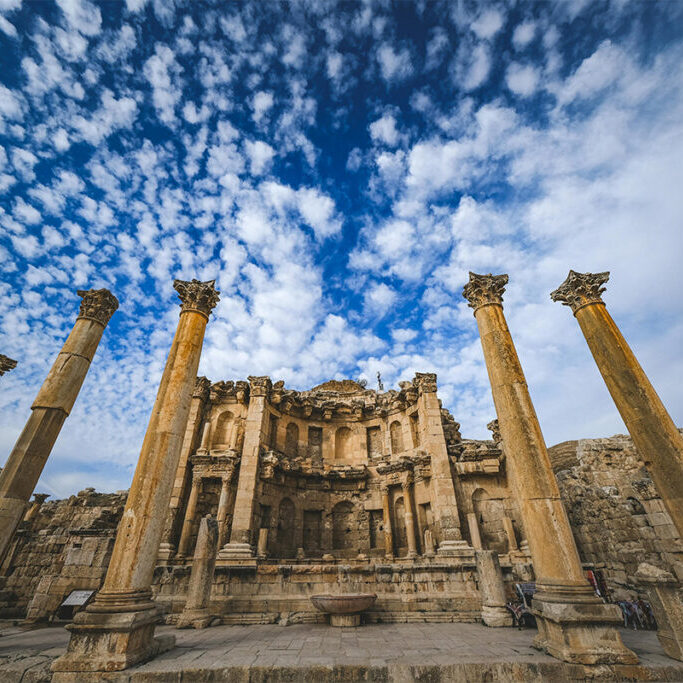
x: 196, y: 618
x: 496, y: 616
x: 236, y: 553
x: 166, y: 552
x: 455, y: 549
x: 580, y: 632
x: 109, y: 641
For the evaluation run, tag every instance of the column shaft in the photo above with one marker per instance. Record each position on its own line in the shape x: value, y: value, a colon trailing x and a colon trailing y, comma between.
x: 190, y: 514
x: 409, y: 519
x: 654, y: 433
x: 50, y: 409
x: 388, y: 532
x: 223, y: 507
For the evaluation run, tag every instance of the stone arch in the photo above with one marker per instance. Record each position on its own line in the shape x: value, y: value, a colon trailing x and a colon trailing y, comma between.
x: 292, y: 440
x: 396, y: 434
x: 489, y: 513
x: 342, y: 443
x: 342, y: 526
x: 222, y: 432
x: 284, y: 546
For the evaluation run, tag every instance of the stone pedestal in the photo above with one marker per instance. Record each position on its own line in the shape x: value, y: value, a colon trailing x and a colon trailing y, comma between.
x: 573, y: 623
x: 654, y: 433
x: 345, y: 620
x: 116, y: 630
x: 429, y: 543
x: 50, y: 409
x: 492, y: 588
x: 196, y: 611
x: 666, y: 598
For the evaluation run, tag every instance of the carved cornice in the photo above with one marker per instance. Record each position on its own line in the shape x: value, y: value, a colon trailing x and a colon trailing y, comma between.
x: 484, y: 290
x: 224, y: 391
x: 6, y: 364
x: 274, y: 462
x: 581, y: 289
x: 201, y: 388
x: 200, y: 297
x: 98, y: 305
x: 425, y: 382
x: 214, y: 466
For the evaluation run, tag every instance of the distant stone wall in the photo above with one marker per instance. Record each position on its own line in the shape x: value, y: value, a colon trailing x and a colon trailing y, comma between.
x: 66, y: 546
x: 617, y: 516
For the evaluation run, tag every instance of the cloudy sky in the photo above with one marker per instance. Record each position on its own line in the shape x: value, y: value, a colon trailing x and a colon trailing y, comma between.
x: 338, y: 169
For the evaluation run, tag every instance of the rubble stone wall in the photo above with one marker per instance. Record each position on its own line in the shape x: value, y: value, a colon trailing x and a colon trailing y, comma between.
x: 617, y: 516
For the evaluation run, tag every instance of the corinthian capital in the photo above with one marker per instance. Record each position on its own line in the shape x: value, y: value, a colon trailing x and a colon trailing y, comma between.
x: 425, y: 382
x: 259, y: 386
x: 6, y: 364
x: 98, y: 305
x: 484, y: 289
x: 581, y: 289
x: 197, y: 296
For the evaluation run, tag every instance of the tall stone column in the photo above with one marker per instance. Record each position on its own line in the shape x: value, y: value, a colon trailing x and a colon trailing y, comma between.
x: 116, y: 630
x: 241, y: 546
x: 50, y: 409
x: 432, y: 439
x: 654, y: 433
x: 494, y: 613
x: 223, y: 507
x: 407, y: 488
x: 6, y: 364
x: 573, y: 623
x: 190, y: 514
x: 386, y: 518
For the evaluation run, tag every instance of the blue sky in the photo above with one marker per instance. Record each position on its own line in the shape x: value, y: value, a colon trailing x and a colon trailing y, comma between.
x: 338, y: 169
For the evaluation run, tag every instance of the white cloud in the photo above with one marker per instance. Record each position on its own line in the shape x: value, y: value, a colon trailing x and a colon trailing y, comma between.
x: 378, y: 299
x: 261, y: 104
x: 160, y: 70
x: 522, y: 79
x: 487, y: 24
x: 395, y: 66
x: 82, y: 16
x: 384, y: 130
x: 523, y: 34
x: 260, y: 156
x: 475, y: 69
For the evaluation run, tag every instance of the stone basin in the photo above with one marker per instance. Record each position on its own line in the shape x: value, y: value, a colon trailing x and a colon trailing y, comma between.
x: 344, y: 610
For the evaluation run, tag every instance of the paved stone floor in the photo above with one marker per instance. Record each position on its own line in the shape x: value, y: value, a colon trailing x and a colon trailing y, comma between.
x: 375, y: 652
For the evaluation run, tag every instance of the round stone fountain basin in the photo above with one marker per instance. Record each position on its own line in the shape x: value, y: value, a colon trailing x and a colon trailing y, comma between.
x: 344, y: 610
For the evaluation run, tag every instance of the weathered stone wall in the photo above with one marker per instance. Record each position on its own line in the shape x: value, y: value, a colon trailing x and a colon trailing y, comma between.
x: 617, y: 517
x: 66, y: 546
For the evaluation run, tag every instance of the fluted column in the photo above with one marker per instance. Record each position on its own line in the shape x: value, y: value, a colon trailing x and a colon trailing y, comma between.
x: 50, y: 409
x: 223, y: 507
x: 386, y: 518
x: 190, y: 514
x: 6, y: 364
x: 242, y: 537
x: 654, y: 433
x: 407, y: 488
x: 117, y: 629
x: 572, y: 621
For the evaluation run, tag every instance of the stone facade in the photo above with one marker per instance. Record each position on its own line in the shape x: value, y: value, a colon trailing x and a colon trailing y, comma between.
x: 330, y: 460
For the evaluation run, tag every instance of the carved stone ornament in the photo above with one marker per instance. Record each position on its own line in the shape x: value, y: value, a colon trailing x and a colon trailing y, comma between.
x: 97, y: 304
x: 259, y: 386
x: 581, y: 289
x: 6, y: 364
x: 197, y: 296
x: 201, y: 389
x: 425, y: 382
x: 482, y: 290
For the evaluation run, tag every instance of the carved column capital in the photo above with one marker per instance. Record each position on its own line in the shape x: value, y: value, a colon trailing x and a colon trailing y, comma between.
x: 425, y: 382
x: 259, y: 386
x: 201, y: 388
x: 484, y: 290
x: 200, y: 297
x: 384, y: 488
x: 98, y: 305
x: 40, y: 498
x: 6, y: 364
x: 581, y: 289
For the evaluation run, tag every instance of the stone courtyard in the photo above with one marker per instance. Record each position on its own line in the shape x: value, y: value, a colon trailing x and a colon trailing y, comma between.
x: 400, y: 653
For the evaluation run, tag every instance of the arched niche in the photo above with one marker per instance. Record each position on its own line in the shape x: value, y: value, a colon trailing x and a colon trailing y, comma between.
x: 490, y: 512
x: 342, y: 526
x: 342, y: 444
x: 222, y: 432
x: 284, y: 537
x: 396, y: 434
x: 292, y: 440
